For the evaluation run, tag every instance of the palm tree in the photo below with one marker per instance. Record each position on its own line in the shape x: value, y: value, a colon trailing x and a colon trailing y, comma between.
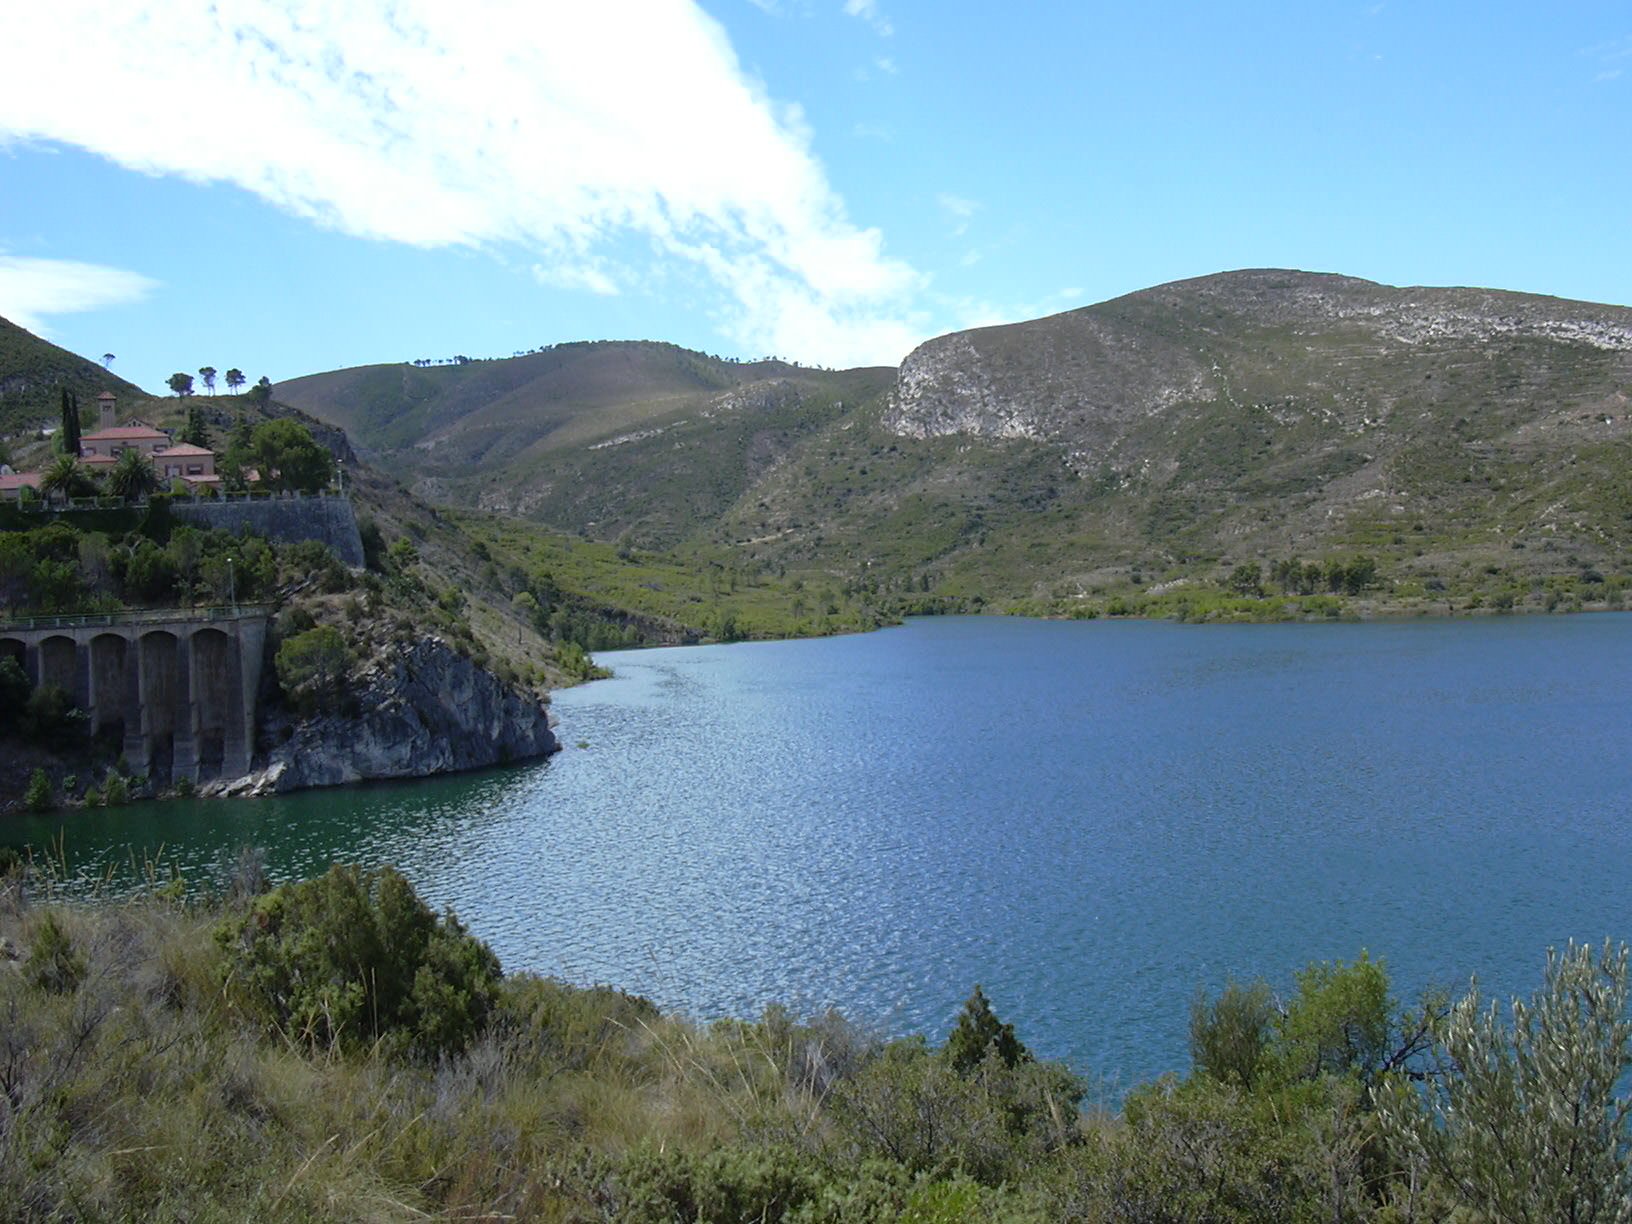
x: 132, y: 476
x: 65, y: 476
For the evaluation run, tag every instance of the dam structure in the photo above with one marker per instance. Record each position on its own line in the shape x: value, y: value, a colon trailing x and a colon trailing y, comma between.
x: 175, y: 688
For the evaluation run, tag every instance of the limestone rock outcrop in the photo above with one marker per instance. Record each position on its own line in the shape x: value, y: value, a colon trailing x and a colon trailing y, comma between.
x: 423, y: 709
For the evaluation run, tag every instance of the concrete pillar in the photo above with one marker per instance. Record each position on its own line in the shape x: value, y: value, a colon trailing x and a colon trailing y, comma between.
x: 250, y: 638
x: 137, y: 748
x: 82, y: 676
x: 184, y: 737
x: 33, y: 664
x: 103, y: 695
x: 238, y: 733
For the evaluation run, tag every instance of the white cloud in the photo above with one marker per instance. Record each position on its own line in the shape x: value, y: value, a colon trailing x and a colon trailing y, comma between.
x: 551, y: 127
x: 867, y: 10
x: 886, y: 64
x: 31, y: 290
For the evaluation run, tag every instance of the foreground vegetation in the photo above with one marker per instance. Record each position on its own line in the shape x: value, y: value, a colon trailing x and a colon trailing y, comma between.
x: 336, y: 1050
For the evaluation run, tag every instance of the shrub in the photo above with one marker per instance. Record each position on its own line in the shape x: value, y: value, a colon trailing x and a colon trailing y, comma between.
x: 53, y: 962
x: 50, y: 717
x: 37, y: 798
x: 312, y: 666
x: 14, y: 691
x: 354, y: 958
x: 1531, y: 1121
x: 1230, y: 1035
x: 116, y: 791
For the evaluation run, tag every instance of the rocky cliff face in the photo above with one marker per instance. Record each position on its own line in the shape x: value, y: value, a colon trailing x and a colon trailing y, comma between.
x: 425, y: 709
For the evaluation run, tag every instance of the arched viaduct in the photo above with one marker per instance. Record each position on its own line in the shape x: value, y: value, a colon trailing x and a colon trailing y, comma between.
x: 177, y: 689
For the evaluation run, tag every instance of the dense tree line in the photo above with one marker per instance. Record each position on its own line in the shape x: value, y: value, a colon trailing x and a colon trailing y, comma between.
x: 57, y: 569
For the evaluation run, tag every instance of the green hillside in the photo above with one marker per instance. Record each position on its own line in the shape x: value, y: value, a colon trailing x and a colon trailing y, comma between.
x: 607, y: 437
x: 33, y: 373
x: 1472, y: 444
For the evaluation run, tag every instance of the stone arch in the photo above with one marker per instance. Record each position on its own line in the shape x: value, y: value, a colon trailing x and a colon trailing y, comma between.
x: 59, y: 665
x: 216, y: 701
x: 161, y: 697
x: 110, y: 660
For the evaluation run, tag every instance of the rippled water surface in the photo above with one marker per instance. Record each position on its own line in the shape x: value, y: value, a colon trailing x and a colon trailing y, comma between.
x: 1091, y: 819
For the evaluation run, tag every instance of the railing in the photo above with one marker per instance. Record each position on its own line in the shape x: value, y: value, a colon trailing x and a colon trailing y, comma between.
x: 44, y: 505
x: 140, y: 616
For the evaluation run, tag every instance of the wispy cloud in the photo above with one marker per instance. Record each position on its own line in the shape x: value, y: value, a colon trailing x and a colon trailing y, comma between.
x: 556, y: 129
x: 590, y: 276
x: 960, y: 209
x: 32, y: 290
x: 868, y: 11
x: 1611, y: 50
x: 1612, y: 56
x: 869, y: 130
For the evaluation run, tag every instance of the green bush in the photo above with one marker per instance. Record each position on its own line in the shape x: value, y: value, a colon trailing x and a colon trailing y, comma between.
x: 116, y: 791
x: 724, y: 1184
x: 1230, y: 1035
x: 355, y: 958
x: 37, y: 798
x: 14, y: 691
x: 51, y: 718
x: 53, y: 962
x: 1530, y: 1120
x: 312, y: 667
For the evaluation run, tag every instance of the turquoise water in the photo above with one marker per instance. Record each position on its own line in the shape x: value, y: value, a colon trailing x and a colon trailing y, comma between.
x: 1092, y: 819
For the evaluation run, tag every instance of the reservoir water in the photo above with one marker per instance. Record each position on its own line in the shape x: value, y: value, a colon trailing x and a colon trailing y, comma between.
x: 1092, y: 819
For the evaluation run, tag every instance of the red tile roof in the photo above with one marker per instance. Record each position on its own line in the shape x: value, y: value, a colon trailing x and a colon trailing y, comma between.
x: 185, y: 448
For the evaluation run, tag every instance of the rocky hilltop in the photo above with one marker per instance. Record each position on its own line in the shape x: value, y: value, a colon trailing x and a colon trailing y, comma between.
x: 1344, y: 351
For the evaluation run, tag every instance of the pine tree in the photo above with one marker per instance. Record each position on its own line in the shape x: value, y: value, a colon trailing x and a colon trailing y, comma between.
x: 979, y: 1032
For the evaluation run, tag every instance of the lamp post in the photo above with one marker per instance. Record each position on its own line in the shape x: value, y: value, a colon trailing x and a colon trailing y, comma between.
x: 232, y: 582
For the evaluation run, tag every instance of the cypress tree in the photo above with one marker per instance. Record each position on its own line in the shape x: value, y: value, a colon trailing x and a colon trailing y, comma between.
x: 70, y: 422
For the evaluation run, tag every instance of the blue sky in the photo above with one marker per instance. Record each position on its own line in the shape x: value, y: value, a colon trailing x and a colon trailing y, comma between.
x: 290, y: 187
